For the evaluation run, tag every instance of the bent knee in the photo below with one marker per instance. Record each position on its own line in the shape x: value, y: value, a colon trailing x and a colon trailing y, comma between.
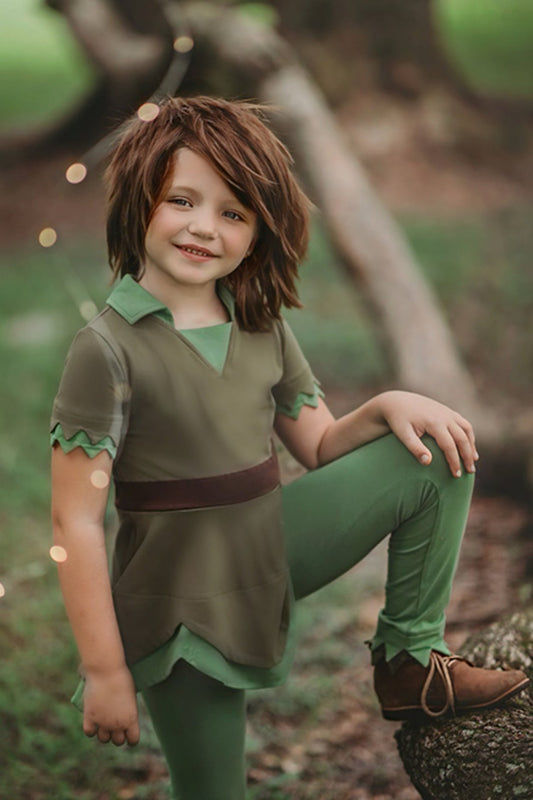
x: 439, y: 469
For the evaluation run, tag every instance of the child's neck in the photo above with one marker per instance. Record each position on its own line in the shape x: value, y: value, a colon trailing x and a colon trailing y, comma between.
x: 190, y: 306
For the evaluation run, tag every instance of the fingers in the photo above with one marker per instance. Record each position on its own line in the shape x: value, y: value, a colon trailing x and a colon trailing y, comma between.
x: 118, y: 737
x: 459, y: 448
x: 90, y: 728
x: 410, y: 416
x: 455, y: 439
x: 463, y: 437
x: 447, y: 443
x: 408, y: 436
x: 133, y: 734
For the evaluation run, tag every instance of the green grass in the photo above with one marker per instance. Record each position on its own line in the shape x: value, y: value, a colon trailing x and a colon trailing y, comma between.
x: 43, y: 70
x: 489, y: 41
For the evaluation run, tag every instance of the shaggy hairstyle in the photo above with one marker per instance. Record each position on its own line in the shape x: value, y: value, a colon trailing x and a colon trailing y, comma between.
x: 257, y: 168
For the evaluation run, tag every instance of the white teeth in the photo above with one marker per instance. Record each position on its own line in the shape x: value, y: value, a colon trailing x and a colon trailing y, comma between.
x: 195, y: 252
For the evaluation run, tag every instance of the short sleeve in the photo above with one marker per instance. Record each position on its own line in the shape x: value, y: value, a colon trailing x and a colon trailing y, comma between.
x: 297, y: 382
x: 93, y: 394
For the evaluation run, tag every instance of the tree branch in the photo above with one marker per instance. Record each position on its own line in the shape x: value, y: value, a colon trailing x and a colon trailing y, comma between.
x: 112, y: 46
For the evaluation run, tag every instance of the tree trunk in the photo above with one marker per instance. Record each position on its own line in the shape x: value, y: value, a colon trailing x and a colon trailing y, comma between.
x: 372, y: 247
x: 479, y: 756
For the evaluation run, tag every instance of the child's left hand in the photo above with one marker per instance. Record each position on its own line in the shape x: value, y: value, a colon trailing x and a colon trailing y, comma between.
x: 316, y: 437
x: 409, y: 416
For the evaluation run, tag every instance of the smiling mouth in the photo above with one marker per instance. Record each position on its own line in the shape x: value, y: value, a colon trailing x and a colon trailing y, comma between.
x: 197, y: 251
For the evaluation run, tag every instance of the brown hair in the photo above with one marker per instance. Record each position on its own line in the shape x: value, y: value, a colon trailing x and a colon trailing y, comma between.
x: 255, y: 165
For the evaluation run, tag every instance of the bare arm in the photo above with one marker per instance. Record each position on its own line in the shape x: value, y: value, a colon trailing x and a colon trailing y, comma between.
x: 316, y: 437
x: 79, y: 496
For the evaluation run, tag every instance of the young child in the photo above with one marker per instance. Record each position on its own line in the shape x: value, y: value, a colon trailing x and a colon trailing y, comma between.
x: 175, y: 389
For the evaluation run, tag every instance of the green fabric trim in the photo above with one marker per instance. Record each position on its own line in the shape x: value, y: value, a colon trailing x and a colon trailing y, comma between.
x: 81, y: 439
x: 129, y: 299
x: 204, y: 657
x: 421, y: 653
x: 303, y: 399
x: 212, y: 342
x: 133, y: 302
x: 165, y: 315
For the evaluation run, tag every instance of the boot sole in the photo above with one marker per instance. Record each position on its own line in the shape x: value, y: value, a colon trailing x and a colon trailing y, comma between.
x: 413, y: 713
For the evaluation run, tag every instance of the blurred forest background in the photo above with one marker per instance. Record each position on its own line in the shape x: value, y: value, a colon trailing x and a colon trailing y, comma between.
x: 434, y: 103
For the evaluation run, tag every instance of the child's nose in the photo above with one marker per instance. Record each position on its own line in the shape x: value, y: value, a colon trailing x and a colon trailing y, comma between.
x: 203, y: 224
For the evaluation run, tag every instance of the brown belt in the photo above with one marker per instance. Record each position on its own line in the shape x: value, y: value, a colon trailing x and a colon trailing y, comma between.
x: 187, y: 493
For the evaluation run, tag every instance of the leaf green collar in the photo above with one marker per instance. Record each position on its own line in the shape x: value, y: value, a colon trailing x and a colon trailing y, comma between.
x: 133, y: 302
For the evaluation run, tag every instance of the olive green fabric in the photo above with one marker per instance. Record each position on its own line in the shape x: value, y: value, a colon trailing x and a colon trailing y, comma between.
x: 221, y: 572
x: 184, y: 644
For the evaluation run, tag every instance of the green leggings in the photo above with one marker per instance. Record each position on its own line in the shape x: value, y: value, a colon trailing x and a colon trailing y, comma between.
x: 333, y: 517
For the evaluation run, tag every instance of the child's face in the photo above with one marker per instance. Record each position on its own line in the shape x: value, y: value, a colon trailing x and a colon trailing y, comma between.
x: 199, y: 232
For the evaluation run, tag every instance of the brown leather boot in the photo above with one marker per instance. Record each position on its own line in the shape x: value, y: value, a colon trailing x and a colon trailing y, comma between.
x: 449, y: 685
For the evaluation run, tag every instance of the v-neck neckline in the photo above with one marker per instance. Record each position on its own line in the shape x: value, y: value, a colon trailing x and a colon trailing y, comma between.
x: 211, y: 341
x: 197, y: 352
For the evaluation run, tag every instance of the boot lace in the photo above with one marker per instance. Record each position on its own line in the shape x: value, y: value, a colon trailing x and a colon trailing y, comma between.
x: 439, y: 665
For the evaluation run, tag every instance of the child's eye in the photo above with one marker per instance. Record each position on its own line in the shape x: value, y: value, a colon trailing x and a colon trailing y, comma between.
x: 233, y: 215
x: 180, y: 201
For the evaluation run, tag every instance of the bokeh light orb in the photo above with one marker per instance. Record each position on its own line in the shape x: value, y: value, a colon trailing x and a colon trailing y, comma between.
x: 122, y: 391
x: 99, y: 479
x: 58, y: 554
x: 183, y: 44
x: 88, y: 310
x: 148, y: 111
x: 2, y: 590
x: 76, y: 173
x: 47, y: 237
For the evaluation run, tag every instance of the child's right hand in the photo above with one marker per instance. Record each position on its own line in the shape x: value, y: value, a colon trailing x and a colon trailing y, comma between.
x: 110, y: 707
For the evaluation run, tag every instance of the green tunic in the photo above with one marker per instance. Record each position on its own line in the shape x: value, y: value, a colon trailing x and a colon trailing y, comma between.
x: 220, y: 574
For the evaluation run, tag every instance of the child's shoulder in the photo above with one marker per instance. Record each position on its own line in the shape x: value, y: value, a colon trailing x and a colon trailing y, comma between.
x: 107, y: 325
x: 99, y: 338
